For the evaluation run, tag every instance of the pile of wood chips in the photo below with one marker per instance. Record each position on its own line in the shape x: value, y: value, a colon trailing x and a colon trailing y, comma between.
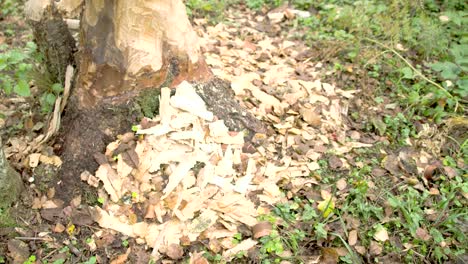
x: 192, y: 178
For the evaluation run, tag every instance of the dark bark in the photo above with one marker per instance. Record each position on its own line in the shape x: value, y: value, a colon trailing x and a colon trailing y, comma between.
x: 55, y: 42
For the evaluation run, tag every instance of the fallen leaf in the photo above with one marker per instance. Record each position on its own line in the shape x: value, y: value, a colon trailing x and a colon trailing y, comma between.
x: 329, y: 256
x: 174, y: 251
x: 326, y: 206
x: 341, y: 184
x: 59, y: 228
x: 422, y: 234
x: 311, y: 117
x: 335, y: 162
x: 18, y: 250
x: 121, y: 259
x: 381, y: 234
x: 197, y: 258
x: 375, y: 248
x: 262, y: 229
x: 360, y: 249
x: 352, y: 237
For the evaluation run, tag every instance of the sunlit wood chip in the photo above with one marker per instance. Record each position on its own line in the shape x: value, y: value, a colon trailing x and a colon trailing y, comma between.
x: 242, y: 246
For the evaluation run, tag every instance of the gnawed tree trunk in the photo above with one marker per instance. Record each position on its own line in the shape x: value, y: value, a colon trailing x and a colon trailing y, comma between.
x: 10, y: 181
x: 128, y: 50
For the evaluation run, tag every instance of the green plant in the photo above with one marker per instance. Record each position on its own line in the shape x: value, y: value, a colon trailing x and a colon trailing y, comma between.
x: 398, y: 127
x: 258, y: 4
x: 212, y: 9
x: 48, y: 97
x: 91, y: 260
x: 15, y: 66
x: 30, y: 260
x: 271, y: 244
x: 217, y: 258
x: 125, y: 243
x: 429, y: 68
x: 6, y: 220
x: 237, y: 238
x: 302, y: 4
x: 10, y: 7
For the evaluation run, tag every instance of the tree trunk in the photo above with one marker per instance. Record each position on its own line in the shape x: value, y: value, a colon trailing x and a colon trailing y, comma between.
x: 10, y: 181
x: 128, y: 50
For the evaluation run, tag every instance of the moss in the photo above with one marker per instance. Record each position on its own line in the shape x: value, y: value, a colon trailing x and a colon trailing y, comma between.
x: 148, y: 102
x: 44, y: 176
x: 6, y: 220
x: 10, y: 186
x: 90, y: 195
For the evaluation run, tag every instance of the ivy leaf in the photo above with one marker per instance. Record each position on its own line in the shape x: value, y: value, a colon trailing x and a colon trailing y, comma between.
x: 460, y: 54
x: 320, y: 230
x: 5, y: 84
x: 15, y: 56
x: 22, y: 88
x: 407, y: 73
x: 57, y: 88
x: 3, y: 62
x: 448, y: 70
x: 462, y: 89
x: 50, y: 99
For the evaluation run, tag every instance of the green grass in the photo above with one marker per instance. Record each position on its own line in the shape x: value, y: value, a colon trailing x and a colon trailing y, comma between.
x: 6, y: 220
x: 428, y: 72
x: 10, y: 7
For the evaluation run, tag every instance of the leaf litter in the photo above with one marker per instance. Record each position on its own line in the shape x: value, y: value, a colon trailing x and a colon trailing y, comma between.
x: 188, y: 178
x: 193, y: 178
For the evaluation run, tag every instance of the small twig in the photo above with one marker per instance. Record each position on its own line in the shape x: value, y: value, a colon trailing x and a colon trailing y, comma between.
x: 420, y: 255
x: 375, y: 57
x: 35, y: 239
x: 414, y: 69
x: 50, y: 253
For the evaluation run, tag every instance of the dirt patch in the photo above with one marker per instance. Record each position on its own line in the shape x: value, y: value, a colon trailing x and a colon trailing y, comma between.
x: 84, y: 133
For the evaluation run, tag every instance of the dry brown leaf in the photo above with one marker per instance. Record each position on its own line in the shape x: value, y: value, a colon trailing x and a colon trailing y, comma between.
x: 121, y: 259
x: 58, y: 228
x: 310, y: 117
x: 375, y: 248
x: 341, y: 184
x: 197, y: 258
x: 329, y: 256
x: 352, y: 237
x: 262, y: 229
x: 174, y: 251
x: 381, y: 234
x: 422, y: 234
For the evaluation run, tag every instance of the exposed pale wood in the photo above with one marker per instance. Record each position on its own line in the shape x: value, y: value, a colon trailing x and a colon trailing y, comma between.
x: 130, y: 45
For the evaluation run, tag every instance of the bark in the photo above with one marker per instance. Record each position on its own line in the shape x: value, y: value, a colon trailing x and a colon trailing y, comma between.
x: 10, y: 181
x: 128, y: 50
x: 54, y: 41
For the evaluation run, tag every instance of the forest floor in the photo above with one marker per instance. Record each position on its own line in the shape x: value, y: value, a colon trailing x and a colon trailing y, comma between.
x: 364, y: 161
